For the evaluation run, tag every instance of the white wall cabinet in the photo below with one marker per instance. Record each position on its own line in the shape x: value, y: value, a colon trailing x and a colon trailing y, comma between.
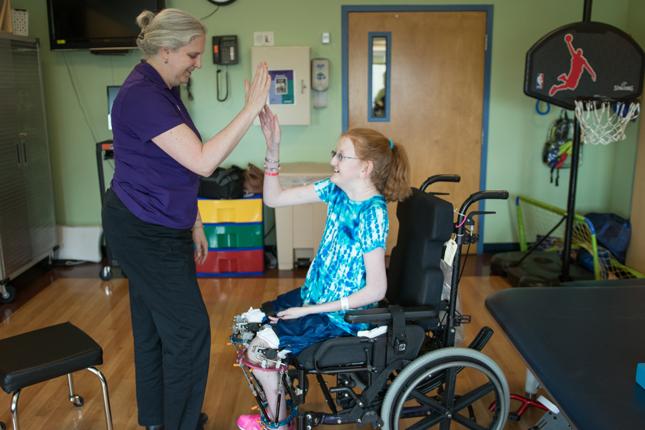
x: 299, y: 228
x: 290, y: 70
x: 27, y: 219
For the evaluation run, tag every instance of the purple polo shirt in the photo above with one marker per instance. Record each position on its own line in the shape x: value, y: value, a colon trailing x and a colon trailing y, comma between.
x: 155, y: 187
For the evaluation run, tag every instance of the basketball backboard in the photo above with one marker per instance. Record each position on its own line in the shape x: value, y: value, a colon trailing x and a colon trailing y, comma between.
x: 584, y: 60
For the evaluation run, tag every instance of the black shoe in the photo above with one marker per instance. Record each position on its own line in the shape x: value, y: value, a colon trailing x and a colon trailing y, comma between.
x: 202, y: 421
x: 159, y: 427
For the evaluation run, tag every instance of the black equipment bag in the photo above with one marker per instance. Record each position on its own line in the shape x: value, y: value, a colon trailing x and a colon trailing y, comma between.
x: 223, y: 184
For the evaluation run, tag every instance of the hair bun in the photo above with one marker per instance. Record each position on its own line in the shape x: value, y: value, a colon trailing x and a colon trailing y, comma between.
x: 144, y: 19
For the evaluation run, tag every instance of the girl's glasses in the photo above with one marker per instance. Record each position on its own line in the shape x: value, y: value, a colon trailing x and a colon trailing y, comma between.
x: 341, y: 157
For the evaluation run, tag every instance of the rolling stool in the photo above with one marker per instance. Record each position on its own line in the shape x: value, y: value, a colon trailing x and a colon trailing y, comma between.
x: 47, y: 353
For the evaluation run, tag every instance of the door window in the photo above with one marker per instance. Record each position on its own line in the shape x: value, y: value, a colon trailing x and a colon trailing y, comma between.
x: 379, y: 70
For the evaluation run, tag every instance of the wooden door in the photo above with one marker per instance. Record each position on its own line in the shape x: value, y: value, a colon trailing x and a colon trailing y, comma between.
x: 436, y: 76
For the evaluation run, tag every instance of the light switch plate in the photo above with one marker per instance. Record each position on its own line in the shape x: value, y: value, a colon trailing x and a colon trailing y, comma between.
x: 263, y: 38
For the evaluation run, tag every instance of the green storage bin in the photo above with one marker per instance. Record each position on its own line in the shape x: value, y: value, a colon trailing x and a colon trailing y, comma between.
x: 222, y: 236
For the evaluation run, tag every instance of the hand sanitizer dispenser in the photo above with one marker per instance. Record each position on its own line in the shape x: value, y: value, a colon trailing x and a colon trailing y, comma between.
x: 320, y: 81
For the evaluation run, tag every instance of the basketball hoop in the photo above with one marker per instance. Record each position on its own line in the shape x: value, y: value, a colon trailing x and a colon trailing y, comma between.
x: 604, y: 122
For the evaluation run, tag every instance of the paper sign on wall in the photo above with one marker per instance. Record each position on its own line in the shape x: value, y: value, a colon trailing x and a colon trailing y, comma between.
x: 281, y: 92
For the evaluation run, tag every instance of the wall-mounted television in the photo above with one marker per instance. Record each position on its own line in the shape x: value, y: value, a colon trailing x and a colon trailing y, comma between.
x: 96, y: 24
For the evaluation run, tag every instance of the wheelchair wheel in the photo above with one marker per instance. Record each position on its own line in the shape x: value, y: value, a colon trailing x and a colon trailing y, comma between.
x: 450, y: 388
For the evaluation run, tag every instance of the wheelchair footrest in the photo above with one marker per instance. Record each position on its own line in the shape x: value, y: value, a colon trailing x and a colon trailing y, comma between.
x: 481, y: 339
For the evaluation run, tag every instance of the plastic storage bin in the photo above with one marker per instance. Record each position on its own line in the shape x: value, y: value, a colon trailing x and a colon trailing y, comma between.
x: 230, y: 211
x: 232, y: 262
x: 234, y: 235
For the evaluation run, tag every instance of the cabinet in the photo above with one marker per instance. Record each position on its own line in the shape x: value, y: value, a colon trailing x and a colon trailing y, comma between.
x: 299, y: 228
x: 27, y: 219
x: 290, y: 71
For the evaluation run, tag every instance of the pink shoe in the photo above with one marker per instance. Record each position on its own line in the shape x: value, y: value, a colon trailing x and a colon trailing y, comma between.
x: 253, y: 422
x: 249, y: 422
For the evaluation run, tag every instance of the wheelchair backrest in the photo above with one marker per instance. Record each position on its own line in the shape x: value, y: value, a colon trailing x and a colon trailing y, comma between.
x: 414, y: 274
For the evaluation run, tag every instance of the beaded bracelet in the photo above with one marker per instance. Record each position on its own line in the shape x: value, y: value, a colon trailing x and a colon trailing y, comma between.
x: 268, y: 160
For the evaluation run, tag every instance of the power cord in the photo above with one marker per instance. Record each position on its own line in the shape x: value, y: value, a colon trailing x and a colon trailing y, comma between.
x: 78, y: 97
x: 210, y: 14
x: 227, y: 84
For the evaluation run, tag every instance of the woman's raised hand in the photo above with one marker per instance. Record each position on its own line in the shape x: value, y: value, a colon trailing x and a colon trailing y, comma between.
x: 271, y: 130
x: 258, y: 90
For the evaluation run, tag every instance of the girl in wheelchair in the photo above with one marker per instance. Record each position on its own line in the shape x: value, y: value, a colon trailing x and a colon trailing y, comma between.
x: 348, y: 271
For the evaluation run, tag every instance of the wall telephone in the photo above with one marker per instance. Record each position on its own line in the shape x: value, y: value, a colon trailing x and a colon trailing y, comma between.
x: 225, y: 50
x: 224, y: 54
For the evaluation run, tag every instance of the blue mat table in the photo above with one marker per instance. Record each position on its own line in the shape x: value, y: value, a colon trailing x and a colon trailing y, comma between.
x: 583, y: 344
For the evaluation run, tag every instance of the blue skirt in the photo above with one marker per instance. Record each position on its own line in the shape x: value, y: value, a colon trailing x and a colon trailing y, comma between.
x: 300, y: 333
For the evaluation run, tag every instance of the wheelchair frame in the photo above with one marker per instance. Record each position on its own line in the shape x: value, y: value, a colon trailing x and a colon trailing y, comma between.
x: 386, y: 382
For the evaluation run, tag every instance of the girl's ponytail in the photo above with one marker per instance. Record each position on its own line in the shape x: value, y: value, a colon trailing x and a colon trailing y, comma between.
x: 397, y: 184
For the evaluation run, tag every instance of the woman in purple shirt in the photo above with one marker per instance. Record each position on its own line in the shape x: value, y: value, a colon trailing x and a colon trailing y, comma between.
x: 150, y: 216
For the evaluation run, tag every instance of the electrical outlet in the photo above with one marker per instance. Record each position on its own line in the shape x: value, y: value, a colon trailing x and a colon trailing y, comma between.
x: 263, y: 38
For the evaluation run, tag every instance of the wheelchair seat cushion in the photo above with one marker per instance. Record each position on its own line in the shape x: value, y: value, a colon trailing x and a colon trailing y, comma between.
x: 347, y: 351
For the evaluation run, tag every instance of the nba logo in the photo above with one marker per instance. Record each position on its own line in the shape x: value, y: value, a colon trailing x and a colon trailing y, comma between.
x: 539, y: 81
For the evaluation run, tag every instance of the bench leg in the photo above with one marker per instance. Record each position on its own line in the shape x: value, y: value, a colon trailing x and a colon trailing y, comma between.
x: 73, y: 397
x: 14, y: 409
x: 106, y: 397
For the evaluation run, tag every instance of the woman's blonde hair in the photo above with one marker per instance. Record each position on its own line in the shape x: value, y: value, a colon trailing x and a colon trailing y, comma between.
x: 170, y: 28
x: 390, y: 174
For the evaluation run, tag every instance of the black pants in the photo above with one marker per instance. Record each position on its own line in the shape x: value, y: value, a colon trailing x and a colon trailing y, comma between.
x: 169, y: 319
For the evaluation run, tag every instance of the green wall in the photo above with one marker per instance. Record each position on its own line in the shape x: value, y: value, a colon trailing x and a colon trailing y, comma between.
x: 516, y: 133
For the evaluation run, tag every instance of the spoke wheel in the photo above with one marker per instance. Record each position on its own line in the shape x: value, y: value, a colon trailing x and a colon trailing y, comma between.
x: 451, y: 388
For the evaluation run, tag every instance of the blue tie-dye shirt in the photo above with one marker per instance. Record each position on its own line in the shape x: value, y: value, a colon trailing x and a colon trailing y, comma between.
x: 352, y: 229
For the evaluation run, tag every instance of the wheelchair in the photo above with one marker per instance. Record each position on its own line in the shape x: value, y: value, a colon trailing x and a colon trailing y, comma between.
x: 411, y: 376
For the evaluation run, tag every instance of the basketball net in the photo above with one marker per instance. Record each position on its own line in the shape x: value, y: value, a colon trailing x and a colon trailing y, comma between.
x: 602, y: 123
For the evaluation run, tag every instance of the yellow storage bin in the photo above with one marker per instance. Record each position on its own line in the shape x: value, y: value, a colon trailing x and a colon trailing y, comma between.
x: 239, y: 210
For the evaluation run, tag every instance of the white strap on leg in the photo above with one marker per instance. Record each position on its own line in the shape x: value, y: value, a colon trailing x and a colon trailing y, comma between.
x: 268, y: 335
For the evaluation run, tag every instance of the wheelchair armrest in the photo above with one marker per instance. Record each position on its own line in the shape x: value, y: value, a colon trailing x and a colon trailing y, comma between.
x: 383, y: 315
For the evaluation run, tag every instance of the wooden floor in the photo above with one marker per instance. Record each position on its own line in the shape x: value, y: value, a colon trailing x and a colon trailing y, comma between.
x: 102, y: 310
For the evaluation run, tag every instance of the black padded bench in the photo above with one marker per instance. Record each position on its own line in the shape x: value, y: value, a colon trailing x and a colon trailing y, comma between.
x: 47, y: 353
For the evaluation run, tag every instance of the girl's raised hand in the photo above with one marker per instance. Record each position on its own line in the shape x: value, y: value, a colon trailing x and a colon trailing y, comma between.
x: 271, y: 130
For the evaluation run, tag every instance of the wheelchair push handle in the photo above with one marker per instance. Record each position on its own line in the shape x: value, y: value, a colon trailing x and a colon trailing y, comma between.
x: 439, y: 178
x: 494, y: 195
x: 483, y: 195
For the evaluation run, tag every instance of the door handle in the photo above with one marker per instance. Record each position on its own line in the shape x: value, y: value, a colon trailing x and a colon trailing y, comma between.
x: 22, y: 143
x: 24, y: 153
